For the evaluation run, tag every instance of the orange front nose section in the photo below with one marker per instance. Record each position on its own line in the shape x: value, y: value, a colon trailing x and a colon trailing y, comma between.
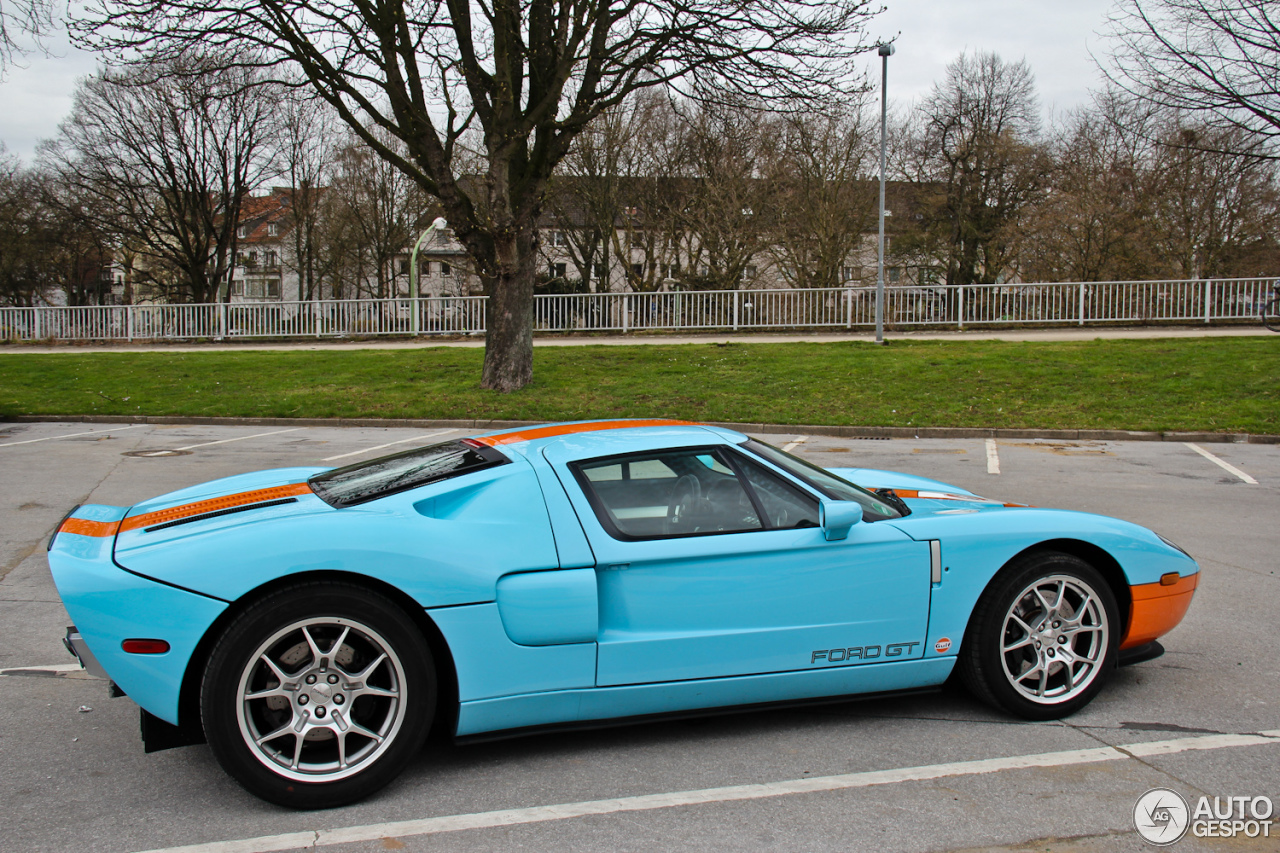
x: 1157, y: 608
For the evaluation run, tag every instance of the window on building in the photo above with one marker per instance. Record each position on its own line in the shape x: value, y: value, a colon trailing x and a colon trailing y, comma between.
x: 637, y: 270
x: 255, y: 288
x: 559, y: 239
x: 848, y: 274
x: 424, y: 268
x: 895, y: 274
x: 751, y: 272
x: 597, y: 271
x: 242, y: 232
x: 237, y: 287
x: 269, y: 260
x: 445, y: 270
x: 273, y: 229
x: 631, y: 211
x: 557, y: 270
x: 273, y: 288
x: 404, y: 266
x: 670, y: 270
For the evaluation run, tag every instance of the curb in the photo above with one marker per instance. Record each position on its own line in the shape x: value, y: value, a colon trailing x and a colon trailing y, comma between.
x: 758, y: 428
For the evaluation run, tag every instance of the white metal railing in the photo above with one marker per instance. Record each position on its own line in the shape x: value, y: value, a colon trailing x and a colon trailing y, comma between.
x: 1080, y: 303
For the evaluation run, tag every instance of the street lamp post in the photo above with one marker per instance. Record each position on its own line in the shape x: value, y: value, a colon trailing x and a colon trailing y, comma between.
x: 437, y: 224
x: 886, y: 51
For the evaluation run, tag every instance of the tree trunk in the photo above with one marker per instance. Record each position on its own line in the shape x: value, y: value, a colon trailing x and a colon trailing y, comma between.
x: 508, y: 346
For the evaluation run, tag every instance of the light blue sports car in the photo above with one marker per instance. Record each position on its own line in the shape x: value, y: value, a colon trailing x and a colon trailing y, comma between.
x: 313, y: 624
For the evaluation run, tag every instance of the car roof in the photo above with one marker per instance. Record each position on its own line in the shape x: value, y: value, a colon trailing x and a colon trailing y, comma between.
x: 608, y: 432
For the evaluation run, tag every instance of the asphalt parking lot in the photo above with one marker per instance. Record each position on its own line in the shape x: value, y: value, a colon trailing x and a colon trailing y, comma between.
x: 923, y: 773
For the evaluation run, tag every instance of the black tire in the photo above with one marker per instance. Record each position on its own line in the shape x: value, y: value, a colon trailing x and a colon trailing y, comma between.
x: 345, y: 664
x: 1063, y: 649
x: 1271, y: 314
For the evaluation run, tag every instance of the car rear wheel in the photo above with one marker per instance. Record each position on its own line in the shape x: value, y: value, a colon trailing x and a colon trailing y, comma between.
x: 318, y: 695
x: 1043, y: 638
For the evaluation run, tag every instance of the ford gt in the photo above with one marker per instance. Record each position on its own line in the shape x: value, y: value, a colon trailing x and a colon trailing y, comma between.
x: 313, y: 624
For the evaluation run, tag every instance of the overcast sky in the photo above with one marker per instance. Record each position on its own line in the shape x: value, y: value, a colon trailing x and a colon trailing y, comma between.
x: 1054, y: 36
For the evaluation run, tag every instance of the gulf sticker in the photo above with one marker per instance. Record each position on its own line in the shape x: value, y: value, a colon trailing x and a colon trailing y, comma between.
x: 942, y: 645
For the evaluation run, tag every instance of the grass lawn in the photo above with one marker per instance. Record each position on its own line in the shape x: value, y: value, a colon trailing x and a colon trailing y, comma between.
x: 1216, y: 384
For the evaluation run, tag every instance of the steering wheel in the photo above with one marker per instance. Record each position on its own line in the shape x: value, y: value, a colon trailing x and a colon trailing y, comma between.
x: 685, y: 495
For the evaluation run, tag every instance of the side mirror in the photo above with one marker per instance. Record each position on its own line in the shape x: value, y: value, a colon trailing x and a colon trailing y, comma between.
x: 836, y: 517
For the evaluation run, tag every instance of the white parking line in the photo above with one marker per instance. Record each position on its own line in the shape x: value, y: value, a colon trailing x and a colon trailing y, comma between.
x: 241, y: 438
x: 1221, y: 464
x: 993, y: 457
x: 388, y: 444
x: 222, y: 441
x: 71, y: 435
x: 53, y: 667
x: 787, y: 448
x: 650, y: 802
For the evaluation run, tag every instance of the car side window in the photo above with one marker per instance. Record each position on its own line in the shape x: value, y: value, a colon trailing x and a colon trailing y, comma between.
x: 784, y: 505
x: 667, y: 493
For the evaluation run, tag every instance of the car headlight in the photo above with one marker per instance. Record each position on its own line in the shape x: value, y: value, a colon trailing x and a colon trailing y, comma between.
x: 1175, y: 546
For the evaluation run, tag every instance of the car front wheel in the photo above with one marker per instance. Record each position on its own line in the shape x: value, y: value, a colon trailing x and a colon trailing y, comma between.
x: 318, y: 695
x: 1043, y: 638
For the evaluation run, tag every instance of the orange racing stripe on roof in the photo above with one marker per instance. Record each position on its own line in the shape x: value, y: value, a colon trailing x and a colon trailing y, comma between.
x: 213, y: 505
x: 569, y: 429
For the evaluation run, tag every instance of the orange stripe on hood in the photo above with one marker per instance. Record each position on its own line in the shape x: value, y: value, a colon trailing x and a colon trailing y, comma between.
x: 163, y: 516
x: 569, y: 429
x: 943, y: 496
x: 84, y: 527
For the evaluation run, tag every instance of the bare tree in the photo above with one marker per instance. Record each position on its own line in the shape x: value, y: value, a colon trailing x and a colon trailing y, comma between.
x: 168, y: 152
x: 80, y: 251
x: 306, y: 158
x: 1220, y: 58
x: 530, y: 75
x: 26, y: 277
x: 585, y: 199
x: 380, y: 207
x: 1210, y: 204
x: 723, y: 207
x: 824, y: 204
x: 976, y: 138
x: 30, y: 18
x: 653, y: 193
x: 1095, y: 223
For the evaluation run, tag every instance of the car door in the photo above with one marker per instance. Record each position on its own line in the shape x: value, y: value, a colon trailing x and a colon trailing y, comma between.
x: 710, y: 564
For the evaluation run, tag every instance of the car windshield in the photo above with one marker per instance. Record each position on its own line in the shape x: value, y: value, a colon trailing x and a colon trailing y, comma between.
x: 822, y: 480
x: 365, y: 481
